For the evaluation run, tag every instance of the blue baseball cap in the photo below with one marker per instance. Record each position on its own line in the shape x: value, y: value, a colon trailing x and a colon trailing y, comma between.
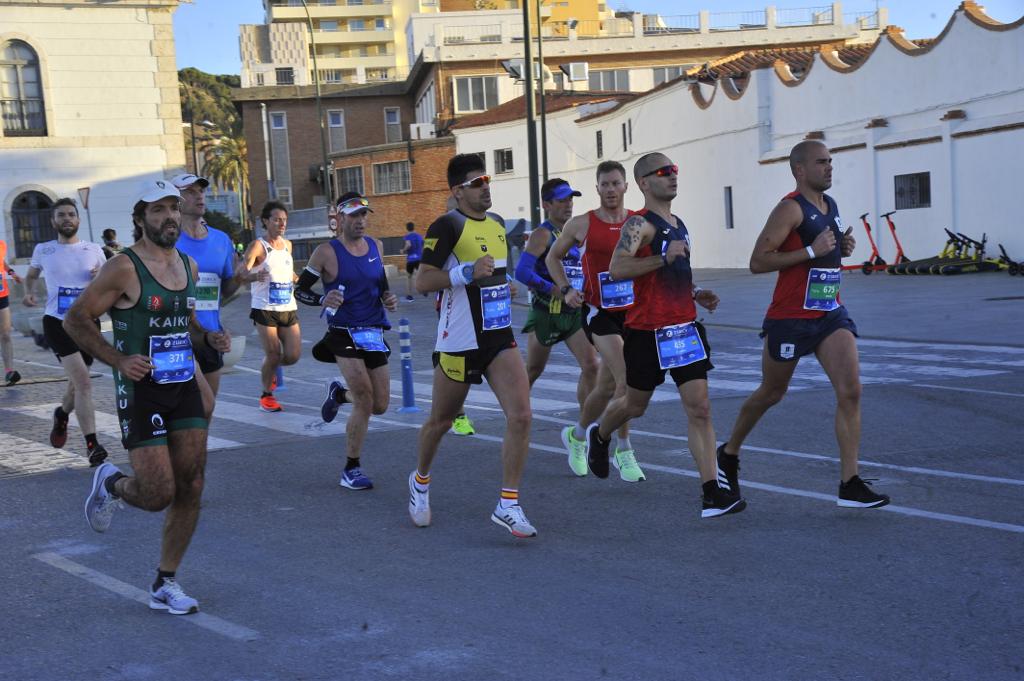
x: 557, y: 189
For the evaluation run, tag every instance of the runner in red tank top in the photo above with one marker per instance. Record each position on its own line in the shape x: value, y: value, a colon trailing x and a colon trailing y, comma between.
x: 596, y: 233
x: 803, y: 242
x: 6, y: 344
x: 662, y: 333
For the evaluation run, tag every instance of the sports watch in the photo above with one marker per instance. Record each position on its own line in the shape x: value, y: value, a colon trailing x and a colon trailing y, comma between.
x: 565, y: 289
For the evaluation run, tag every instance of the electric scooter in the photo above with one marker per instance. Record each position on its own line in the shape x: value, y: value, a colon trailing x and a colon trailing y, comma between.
x: 874, y: 261
x: 900, y: 256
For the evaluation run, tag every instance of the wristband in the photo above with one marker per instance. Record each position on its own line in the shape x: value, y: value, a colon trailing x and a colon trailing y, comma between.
x: 697, y: 290
x: 461, y: 275
x: 810, y: 252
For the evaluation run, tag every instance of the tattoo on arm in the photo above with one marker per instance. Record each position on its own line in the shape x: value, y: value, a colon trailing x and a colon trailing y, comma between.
x: 630, y: 239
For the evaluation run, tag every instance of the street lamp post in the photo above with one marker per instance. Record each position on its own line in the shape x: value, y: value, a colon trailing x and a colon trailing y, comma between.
x: 543, y: 106
x: 326, y: 173
x: 192, y: 130
x: 531, y: 124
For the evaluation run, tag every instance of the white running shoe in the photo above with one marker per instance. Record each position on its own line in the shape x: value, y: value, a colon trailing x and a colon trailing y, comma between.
x: 514, y: 520
x: 100, y: 504
x: 419, y: 503
x: 171, y: 598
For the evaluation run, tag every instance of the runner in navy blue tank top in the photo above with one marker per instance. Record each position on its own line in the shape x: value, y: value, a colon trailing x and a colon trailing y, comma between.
x: 355, y: 298
x: 803, y: 241
x: 662, y: 331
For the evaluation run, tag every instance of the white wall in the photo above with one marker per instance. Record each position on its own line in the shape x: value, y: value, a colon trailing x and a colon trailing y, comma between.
x: 742, y: 143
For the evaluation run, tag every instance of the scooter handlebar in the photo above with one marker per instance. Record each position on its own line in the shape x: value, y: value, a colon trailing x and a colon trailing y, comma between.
x: 885, y: 215
x: 863, y: 216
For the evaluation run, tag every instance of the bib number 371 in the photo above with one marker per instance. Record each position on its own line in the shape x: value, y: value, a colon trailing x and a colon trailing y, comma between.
x: 172, y: 358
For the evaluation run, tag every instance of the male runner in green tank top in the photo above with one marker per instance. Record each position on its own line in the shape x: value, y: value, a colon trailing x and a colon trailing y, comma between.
x: 149, y: 290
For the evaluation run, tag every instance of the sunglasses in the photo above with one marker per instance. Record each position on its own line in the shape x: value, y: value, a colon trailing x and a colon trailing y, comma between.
x: 664, y: 171
x: 354, y: 203
x: 476, y: 182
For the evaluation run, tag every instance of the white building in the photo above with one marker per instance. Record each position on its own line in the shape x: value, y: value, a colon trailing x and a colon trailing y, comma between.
x: 933, y: 129
x: 89, y: 94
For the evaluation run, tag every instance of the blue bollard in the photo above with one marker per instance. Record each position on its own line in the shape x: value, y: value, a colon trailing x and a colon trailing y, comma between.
x: 405, y: 348
x: 280, y: 379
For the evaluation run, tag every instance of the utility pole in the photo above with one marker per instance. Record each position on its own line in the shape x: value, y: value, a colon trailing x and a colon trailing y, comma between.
x: 543, y: 106
x: 326, y: 175
x: 531, y: 124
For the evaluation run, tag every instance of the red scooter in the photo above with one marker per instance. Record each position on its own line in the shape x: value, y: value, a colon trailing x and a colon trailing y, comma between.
x: 900, y: 257
x: 874, y: 261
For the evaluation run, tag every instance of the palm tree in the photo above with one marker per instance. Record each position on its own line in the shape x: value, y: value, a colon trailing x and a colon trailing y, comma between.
x: 226, y: 164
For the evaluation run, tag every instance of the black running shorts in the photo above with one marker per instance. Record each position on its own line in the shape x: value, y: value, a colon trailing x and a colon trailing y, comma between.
x: 209, y: 360
x: 788, y: 340
x: 598, y: 321
x: 643, y: 370
x: 59, y: 340
x: 147, y: 411
x: 338, y: 343
x: 469, y: 366
x: 274, y: 319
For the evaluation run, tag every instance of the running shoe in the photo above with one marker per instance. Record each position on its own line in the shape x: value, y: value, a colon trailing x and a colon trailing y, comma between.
x: 354, y: 478
x: 329, y: 409
x: 97, y: 455
x: 625, y: 463
x: 857, y: 493
x: 100, y: 504
x: 11, y: 378
x: 597, y: 452
x: 462, y: 425
x: 270, y: 404
x: 514, y: 520
x: 721, y: 502
x: 419, y: 503
x: 728, y: 470
x: 59, y: 432
x: 409, y: 299
x: 171, y: 598
x: 577, y: 452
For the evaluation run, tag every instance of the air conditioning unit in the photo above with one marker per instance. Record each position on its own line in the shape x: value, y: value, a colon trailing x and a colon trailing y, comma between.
x: 422, y: 131
x: 576, y: 71
x: 515, y: 69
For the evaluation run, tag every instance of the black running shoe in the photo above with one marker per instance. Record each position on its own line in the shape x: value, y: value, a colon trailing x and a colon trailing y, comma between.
x: 721, y: 502
x: 597, y: 452
x: 12, y: 377
x: 728, y: 471
x: 97, y: 455
x: 59, y: 432
x: 855, y: 493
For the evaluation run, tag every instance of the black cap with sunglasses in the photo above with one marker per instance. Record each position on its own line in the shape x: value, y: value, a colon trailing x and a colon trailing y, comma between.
x: 353, y: 202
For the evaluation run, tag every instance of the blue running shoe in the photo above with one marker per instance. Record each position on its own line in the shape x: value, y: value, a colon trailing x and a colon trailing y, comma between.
x: 329, y: 409
x: 354, y: 478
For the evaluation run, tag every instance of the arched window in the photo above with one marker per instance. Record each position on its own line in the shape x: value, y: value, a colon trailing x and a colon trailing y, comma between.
x: 30, y: 215
x: 21, y: 91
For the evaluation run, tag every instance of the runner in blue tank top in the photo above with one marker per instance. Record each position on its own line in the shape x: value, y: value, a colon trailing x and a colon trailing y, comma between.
x: 355, y: 298
x: 413, y: 252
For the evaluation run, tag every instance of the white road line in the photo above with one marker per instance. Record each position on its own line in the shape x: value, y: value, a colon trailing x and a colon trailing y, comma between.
x: 902, y: 510
x: 209, y: 622
x: 943, y: 347
x: 967, y: 390
x: 27, y: 457
x: 293, y: 424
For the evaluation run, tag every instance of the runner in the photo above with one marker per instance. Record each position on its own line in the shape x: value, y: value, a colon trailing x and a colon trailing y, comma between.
x: 412, y: 249
x: 595, y: 233
x: 356, y: 295
x: 268, y: 263
x: 70, y: 264
x: 662, y: 333
x: 803, y: 241
x: 462, y: 425
x: 6, y: 344
x: 149, y: 290
x: 549, y: 322
x: 465, y: 255
x: 110, y: 245
x: 218, y: 280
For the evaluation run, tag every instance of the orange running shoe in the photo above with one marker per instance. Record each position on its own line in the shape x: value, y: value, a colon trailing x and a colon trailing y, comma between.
x: 270, y: 403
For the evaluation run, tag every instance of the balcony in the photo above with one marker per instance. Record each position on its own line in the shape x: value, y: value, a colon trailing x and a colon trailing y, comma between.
x: 345, y: 63
x: 289, y: 10
x: 353, y: 37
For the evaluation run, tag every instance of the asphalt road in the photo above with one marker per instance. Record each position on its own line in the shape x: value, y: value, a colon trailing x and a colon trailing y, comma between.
x: 300, y: 579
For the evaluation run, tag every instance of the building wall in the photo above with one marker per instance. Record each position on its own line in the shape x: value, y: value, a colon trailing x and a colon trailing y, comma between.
x: 974, y: 162
x: 112, y: 111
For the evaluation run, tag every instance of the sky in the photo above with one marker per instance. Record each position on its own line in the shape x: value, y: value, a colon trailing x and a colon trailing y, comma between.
x: 206, y: 31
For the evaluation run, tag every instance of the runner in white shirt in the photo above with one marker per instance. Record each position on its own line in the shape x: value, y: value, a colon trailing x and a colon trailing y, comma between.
x: 69, y: 265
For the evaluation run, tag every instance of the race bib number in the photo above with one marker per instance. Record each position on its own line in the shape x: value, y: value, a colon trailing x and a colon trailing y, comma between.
x: 3, y: 285
x: 679, y: 346
x: 615, y: 294
x: 496, y: 303
x: 208, y: 291
x: 280, y: 293
x: 368, y: 338
x: 575, y: 275
x: 822, y: 289
x: 66, y: 297
x: 172, y: 358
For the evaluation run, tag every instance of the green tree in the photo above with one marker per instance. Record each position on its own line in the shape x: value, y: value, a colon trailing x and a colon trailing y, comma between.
x: 226, y: 164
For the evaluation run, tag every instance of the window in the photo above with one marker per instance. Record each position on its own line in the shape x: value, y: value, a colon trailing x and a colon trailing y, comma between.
x: 600, y: 145
x: 285, y: 76
x: 393, y: 124
x: 558, y: 80
x: 331, y: 76
x: 913, y: 191
x: 625, y: 138
x: 356, y: 25
x: 391, y: 178
x: 663, y: 74
x: 21, y: 91
x: 350, y: 179
x: 502, y: 161
x: 728, y: 208
x: 30, y: 217
x: 284, y: 195
x: 476, y: 93
x: 616, y: 81
x: 328, y: 25
x: 279, y: 121
x: 380, y: 25
x: 336, y: 130
x: 259, y: 79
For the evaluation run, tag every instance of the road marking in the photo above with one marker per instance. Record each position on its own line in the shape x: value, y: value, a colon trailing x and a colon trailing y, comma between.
x: 116, y: 586
x: 293, y: 424
x: 27, y: 457
x: 967, y: 390
x: 943, y: 347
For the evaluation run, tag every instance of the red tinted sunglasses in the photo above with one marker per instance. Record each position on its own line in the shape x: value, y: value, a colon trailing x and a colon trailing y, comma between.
x: 664, y: 171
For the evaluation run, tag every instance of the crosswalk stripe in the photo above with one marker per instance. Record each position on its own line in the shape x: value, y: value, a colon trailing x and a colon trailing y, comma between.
x: 282, y: 421
x: 26, y: 457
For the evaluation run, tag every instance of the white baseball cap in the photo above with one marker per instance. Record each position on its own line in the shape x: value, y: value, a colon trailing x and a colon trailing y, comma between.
x: 188, y: 179
x: 154, y: 190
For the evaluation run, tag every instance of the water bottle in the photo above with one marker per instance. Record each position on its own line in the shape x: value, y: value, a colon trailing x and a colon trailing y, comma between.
x: 330, y: 311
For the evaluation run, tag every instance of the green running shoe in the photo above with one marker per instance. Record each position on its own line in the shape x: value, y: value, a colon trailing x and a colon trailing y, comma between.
x: 462, y: 425
x: 629, y: 469
x: 577, y: 452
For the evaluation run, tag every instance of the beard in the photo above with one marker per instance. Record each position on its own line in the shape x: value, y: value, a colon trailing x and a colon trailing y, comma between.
x: 160, y: 236
x: 67, y: 231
